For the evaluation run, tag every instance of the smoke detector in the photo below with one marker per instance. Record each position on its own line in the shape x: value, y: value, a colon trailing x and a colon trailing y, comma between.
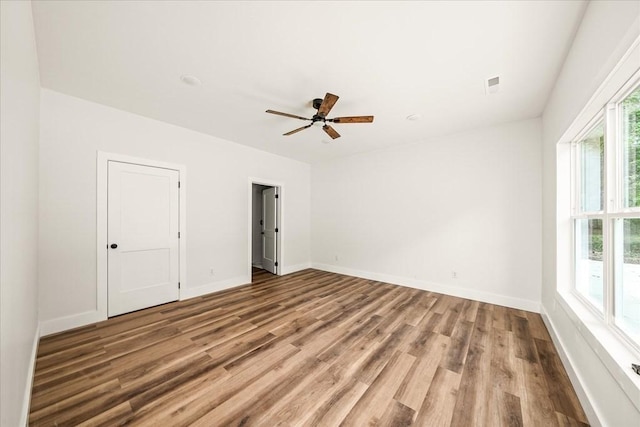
x: 190, y: 80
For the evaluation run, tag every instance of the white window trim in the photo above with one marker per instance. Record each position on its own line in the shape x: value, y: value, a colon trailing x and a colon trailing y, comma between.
x: 613, y: 205
x: 615, y: 353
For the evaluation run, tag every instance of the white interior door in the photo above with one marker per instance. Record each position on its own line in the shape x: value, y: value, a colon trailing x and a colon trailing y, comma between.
x: 143, y: 237
x: 269, y: 230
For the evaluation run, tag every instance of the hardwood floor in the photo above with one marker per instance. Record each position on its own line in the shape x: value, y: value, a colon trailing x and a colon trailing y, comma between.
x: 307, y: 349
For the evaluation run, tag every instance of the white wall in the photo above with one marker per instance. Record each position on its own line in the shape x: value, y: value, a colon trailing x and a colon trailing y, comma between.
x: 217, y: 191
x: 19, y: 111
x: 412, y: 215
x: 606, y: 32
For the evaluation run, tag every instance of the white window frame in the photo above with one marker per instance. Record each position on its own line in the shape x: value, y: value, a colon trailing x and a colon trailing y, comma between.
x: 577, y: 214
x: 612, y: 204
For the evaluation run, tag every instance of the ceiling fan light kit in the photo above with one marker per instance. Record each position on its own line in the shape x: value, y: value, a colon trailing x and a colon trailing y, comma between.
x: 324, y: 106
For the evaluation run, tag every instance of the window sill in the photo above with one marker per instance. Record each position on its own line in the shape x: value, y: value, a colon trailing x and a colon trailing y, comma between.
x: 616, y: 355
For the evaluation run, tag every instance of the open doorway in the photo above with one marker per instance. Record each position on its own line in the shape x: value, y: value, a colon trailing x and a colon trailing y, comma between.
x: 265, y: 228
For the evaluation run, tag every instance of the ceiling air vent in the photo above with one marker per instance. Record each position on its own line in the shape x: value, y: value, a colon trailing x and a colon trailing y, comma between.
x: 492, y: 85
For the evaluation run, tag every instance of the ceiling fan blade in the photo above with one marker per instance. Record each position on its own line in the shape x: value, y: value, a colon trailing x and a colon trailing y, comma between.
x: 331, y: 131
x: 355, y: 119
x: 327, y: 104
x: 297, y: 130
x: 286, y: 115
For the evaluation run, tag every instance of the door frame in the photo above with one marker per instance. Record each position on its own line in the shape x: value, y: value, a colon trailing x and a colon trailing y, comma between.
x: 279, y: 222
x: 102, y: 167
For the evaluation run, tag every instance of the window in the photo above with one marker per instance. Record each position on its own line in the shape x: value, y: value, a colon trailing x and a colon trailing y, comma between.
x: 627, y: 246
x: 606, y: 216
x: 627, y: 289
x: 592, y: 170
x: 630, y: 136
x: 588, y: 261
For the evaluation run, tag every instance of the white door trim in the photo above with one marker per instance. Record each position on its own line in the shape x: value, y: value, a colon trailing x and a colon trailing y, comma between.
x: 103, y: 159
x: 279, y: 223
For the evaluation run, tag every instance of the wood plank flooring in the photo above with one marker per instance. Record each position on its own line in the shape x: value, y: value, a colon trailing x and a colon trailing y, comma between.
x: 308, y: 349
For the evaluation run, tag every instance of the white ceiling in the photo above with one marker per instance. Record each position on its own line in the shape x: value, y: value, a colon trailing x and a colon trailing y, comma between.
x: 388, y: 59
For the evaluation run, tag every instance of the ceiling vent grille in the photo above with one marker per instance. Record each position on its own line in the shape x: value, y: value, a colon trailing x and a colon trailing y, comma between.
x: 492, y: 85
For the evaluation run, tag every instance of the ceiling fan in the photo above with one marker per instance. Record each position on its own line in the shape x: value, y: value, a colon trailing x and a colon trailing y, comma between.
x: 324, y: 106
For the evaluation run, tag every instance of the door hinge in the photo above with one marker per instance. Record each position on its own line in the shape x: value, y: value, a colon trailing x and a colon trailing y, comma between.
x: 261, y: 222
x: 178, y: 184
x: 178, y: 234
x: 276, y: 230
x: 276, y: 263
x: 276, y: 196
x: 178, y: 285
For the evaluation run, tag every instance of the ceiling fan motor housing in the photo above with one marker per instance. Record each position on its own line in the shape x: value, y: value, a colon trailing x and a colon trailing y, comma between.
x: 317, y: 103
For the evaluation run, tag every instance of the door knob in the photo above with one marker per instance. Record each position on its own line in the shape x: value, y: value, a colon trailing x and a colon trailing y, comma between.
x: 113, y: 246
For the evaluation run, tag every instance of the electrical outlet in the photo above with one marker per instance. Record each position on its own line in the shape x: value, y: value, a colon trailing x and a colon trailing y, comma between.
x: 212, y: 273
x: 454, y: 275
x: 336, y: 257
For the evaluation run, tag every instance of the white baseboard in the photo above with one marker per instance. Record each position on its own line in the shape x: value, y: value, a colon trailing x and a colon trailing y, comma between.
x: 576, y: 380
x: 518, y: 303
x: 295, y: 268
x: 187, y: 293
x: 48, y: 327
x: 65, y: 323
x: 26, y: 402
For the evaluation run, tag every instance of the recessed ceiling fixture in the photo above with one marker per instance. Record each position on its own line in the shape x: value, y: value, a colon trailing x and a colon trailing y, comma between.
x: 414, y: 117
x: 492, y: 85
x: 190, y: 80
x: 320, y: 118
